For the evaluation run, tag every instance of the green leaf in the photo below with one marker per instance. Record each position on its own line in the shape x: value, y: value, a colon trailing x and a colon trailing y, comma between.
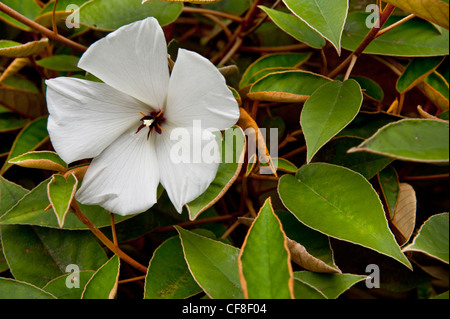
x: 232, y: 152
x: 103, y: 284
x: 30, y: 137
x: 314, y: 196
x: 295, y: 28
x: 416, y: 71
x: 40, y: 159
x: 326, y: 19
x: 281, y: 60
x: 168, y: 275
x: 305, y: 291
x: 29, y: 9
x: 61, y: 192
x: 10, y: 121
x: 435, y: 11
x: 18, y: 50
x: 264, y: 262
x: 31, y: 210
x: 60, y: 63
x: 413, y: 38
x: 287, y: 86
x: 433, y: 238
x: 109, y: 15
x: 213, y: 264
x: 331, y: 285
x: 390, y: 188
x: 10, y: 194
x: 418, y: 140
x: 329, y: 110
x: 14, y: 289
x: 58, y: 287
x: 49, y: 252
x: 335, y: 152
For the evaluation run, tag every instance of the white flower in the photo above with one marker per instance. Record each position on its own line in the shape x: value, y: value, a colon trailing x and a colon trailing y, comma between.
x: 124, y: 124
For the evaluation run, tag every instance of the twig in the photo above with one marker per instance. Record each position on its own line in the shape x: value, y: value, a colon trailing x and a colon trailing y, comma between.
x: 396, y: 24
x: 55, y: 28
x: 294, y: 47
x: 367, y: 40
x: 105, y: 240
x: 212, y: 12
x: 36, y: 26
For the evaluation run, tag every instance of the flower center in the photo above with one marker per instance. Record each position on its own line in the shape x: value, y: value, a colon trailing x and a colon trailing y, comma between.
x: 153, y: 121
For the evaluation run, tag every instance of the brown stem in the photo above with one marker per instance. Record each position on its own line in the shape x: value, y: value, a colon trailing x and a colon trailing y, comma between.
x: 105, y: 240
x: 36, y: 26
x: 212, y: 12
x: 367, y: 40
x: 293, y: 47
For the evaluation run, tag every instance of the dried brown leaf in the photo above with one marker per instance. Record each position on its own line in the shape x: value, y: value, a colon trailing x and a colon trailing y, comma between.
x: 404, y: 219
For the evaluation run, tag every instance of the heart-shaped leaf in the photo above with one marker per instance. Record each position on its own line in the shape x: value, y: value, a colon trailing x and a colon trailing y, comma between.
x: 264, y: 262
x: 314, y: 196
x: 329, y: 110
x: 326, y: 19
x: 61, y: 192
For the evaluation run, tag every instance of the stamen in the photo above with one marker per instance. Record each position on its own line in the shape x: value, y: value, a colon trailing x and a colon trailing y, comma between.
x: 153, y: 121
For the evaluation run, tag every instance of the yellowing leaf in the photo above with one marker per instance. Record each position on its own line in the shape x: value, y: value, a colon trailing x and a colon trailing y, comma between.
x: 404, y: 219
x: 42, y: 159
x: 17, y: 50
x: 435, y: 11
x: 300, y: 256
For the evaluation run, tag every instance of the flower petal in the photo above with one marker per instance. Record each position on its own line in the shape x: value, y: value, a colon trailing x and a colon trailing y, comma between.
x: 124, y: 178
x: 188, y: 163
x: 86, y: 117
x: 132, y: 59
x: 198, y: 91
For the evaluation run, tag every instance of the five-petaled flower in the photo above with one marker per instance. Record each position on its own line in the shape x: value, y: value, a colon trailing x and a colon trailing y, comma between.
x: 108, y: 121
